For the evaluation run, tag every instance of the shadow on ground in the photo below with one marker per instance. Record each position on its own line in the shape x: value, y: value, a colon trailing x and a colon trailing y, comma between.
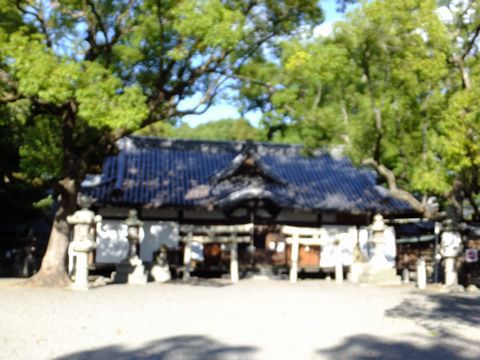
x: 206, y: 282
x: 369, y: 347
x: 437, y: 312
x: 447, y: 319
x: 178, y: 347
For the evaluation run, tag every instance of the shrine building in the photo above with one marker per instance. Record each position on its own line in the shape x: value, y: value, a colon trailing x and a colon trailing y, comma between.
x: 209, y: 200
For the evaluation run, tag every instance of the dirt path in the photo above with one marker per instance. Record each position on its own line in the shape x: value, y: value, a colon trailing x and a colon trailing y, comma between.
x: 250, y: 320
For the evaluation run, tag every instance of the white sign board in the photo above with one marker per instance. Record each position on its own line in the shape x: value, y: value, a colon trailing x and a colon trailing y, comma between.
x: 450, y: 243
x: 112, y: 243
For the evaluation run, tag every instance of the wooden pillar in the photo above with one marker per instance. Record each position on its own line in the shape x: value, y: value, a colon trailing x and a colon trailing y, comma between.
x: 234, y: 261
x: 187, y: 256
x: 294, y: 259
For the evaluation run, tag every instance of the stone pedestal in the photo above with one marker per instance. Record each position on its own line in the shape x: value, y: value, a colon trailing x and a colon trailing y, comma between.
x: 81, y: 249
x: 451, y: 277
x: 378, y: 269
x: 131, y: 271
x: 376, y: 275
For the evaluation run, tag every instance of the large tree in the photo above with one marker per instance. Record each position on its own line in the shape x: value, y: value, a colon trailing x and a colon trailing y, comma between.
x: 78, y: 74
x: 395, y: 83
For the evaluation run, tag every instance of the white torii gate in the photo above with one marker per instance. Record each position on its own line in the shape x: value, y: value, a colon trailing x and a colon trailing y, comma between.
x: 216, y: 233
x: 296, y: 236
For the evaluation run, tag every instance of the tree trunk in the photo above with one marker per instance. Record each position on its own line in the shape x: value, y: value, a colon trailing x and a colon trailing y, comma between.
x: 455, y: 202
x: 400, y: 194
x: 53, y: 271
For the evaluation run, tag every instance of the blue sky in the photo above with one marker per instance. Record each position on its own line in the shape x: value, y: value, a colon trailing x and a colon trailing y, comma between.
x: 222, y: 110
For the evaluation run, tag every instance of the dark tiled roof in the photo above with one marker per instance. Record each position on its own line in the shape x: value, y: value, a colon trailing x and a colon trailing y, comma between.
x: 153, y: 172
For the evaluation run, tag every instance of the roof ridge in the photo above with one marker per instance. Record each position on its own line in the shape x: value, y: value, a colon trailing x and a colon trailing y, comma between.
x: 216, y: 142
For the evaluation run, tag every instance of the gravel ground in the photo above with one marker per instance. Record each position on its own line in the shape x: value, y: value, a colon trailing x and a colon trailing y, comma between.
x: 211, y: 319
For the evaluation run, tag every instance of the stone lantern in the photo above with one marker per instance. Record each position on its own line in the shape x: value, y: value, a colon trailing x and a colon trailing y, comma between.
x: 84, y: 224
x: 378, y: 242
x: 133, y: 234
x: 378, y: 268
x: 131, y: 270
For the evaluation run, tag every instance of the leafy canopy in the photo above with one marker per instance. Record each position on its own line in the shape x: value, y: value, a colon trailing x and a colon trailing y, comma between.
x: 396, y: 82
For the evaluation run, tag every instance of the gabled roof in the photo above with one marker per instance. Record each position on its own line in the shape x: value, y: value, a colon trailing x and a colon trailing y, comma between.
x: 247, y: 158
x: 154, y: 172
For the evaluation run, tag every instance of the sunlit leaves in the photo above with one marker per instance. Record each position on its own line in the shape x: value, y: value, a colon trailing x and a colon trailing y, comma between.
x: 214, y: 24
x: 103, y: 102
x: 41, y: 152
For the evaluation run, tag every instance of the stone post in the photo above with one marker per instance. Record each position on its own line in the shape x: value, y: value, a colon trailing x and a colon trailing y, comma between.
x: 294, y: 259
x: 234, y: 261
x: 84, y: 223
x: 421, y: 274
x: 406, y: 275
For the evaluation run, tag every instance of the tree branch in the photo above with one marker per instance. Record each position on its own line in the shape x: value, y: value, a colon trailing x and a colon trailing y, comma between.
x: 397, y: 193
x: 37, y: 14
x: 471, y: 42
x: 206, y: 101
x: 117, y: 27
x: 99, y: 20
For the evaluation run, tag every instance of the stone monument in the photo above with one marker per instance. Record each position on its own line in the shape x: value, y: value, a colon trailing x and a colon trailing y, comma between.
x: 131, y: 270
x: 378, y: 269
x: 84, y: 223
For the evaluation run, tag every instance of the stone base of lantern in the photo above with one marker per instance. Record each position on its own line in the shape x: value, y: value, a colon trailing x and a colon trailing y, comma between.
x: 373, y: 275
x: 356, y: 270
x: 160, y: 273
x: 130, y: 272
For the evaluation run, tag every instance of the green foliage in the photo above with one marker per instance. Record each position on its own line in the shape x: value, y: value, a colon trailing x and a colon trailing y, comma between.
x: 227, y: 129
x: 44, y: 204
x: 77, y: 75
x: 394, y: 82
x: 41, y: 152
x: 220, y: 26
